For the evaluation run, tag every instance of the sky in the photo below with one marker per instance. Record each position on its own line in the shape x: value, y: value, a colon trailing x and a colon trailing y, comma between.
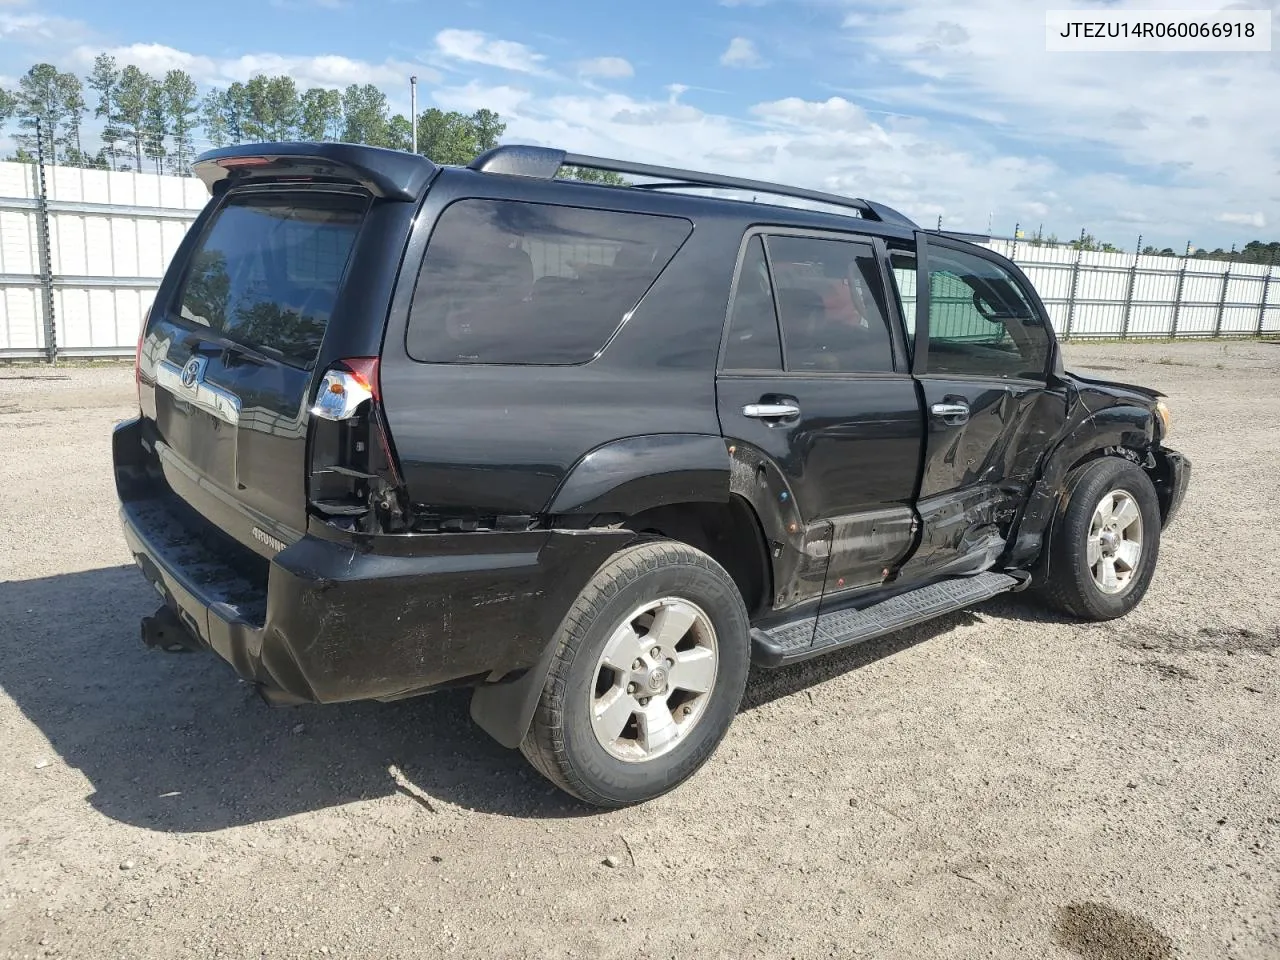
x: 949, y: 110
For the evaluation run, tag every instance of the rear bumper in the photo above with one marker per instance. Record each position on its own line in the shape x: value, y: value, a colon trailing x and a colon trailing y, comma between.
x: 326, y: 620
x: 333, y: 624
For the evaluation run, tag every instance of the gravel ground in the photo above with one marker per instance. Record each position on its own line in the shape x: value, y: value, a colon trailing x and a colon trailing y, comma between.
x: 996, y: 784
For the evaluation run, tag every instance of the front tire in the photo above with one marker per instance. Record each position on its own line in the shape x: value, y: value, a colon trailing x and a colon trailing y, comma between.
x: 1105, y: 542
x: 649, y: 670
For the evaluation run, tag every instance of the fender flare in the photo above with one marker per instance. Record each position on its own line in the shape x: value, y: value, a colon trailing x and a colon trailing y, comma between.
x: 624, y: 477
x: 634, y: 474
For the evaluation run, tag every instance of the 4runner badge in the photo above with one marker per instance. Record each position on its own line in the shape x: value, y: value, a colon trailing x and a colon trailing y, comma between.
x: 263, y: 537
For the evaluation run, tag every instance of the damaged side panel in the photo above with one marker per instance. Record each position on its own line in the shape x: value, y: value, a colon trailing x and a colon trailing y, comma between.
x: 799, y: 552
x: 977, y: 474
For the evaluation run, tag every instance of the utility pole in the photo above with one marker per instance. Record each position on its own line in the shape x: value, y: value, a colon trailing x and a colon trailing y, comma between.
x: 413, y: 110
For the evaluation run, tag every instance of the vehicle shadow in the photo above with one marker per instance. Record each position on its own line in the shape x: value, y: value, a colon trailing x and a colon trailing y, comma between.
x: 174, y: 742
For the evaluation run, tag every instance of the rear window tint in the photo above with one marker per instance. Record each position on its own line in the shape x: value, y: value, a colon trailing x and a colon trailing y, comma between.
x: 528, y: 283
x: 268, y: 268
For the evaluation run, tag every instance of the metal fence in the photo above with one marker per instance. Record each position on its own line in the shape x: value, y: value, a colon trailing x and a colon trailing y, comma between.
x: 82, y: 253
x: 1125, y: 295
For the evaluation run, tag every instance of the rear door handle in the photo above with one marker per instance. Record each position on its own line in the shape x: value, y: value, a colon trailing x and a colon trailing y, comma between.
x: 771, y: 411
x: 952, y: 414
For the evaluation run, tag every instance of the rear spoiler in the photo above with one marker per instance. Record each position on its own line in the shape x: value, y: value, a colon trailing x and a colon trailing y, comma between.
x: 391, y: 174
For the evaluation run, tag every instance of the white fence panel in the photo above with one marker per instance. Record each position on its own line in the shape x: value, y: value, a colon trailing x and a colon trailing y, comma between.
x: 112, y: 235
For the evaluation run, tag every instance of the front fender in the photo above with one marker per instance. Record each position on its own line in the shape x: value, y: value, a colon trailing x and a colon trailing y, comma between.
x: 635, y: 474
x: 1123, y: 427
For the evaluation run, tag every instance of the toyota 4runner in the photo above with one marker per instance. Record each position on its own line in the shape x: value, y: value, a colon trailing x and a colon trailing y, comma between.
x: 594, y: 450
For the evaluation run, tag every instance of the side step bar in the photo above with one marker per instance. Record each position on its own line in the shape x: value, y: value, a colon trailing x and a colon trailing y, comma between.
x: 791, y: 642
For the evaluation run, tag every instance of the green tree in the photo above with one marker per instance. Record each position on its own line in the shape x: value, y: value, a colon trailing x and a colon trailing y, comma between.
x: 284, y: 109
x: 131, y: 109
x: 105, y: 82
x: 40, y: 96
x: 71, y: 98
x: 180, y: 105
x: 489, y: 129
x: 321, y: 114
x: 258, y: 118
x: 364, y: 113
x: 8, y: 107
x: 156, y: 125
x: 213, y: 117
x: 399, y: 133
x: 446, y: 137
x: 236, y: 112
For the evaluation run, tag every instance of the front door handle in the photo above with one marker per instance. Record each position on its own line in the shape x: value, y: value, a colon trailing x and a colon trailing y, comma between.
x: 953, y: 414
x: 771, y: 411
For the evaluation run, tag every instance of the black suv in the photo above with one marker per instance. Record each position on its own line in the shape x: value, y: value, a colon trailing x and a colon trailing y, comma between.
x: 593, y: 450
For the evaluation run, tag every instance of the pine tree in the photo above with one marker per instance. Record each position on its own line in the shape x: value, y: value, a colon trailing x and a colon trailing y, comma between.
x: 105, y: 81
x: 156, y: 125
x: 131, y: 109
x: 179, y: 99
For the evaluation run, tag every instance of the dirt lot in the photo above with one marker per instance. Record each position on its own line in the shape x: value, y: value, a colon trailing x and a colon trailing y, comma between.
x: 997, y: 784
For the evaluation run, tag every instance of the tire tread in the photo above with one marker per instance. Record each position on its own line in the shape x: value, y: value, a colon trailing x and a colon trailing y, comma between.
x: 544, y: 744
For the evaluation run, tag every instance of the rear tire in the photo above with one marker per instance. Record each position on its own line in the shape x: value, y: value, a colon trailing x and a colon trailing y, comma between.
x: 616, y: 724
x: 1105, y: 543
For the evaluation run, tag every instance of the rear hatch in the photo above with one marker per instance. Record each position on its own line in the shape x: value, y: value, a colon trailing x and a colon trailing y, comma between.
x: 254, y: 309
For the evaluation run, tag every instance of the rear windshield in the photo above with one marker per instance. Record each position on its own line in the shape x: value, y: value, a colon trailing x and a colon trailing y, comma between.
x: 268, y: 268
x: 530, y: 283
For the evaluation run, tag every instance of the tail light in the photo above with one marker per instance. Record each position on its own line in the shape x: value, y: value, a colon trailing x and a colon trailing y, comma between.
x: 355, y: 479
x: 137, y: 355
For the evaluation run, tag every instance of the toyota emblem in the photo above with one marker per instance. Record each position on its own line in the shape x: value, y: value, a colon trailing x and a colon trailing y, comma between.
x: 192, y: 371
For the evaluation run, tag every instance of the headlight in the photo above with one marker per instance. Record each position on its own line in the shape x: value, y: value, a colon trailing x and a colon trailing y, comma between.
x: 1166, y: 418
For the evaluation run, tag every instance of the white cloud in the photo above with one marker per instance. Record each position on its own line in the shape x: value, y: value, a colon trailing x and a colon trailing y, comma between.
x: 1137, y: 116
x: 835, y: 113
x: 741, y: 52
x: 606, y: 67
x: 32, y: 28
x: 324, y: 70
x: 472, y: 46
x: 1257, y: 220
x: 503, y: 100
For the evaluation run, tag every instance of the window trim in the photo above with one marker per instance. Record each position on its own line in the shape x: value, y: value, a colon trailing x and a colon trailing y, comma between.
x: 893, y: 319
x: 920, y: 368
x: 421, y: 261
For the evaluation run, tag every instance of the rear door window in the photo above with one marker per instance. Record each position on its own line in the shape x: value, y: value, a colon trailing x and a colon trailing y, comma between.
x: 832, y: 305
x: 528, y: 283
x: 267, y: 271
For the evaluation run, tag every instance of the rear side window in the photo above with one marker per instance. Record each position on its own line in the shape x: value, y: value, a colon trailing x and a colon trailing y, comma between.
x: 753, y: 325
x: 268, y: 269
x: 529, y: 283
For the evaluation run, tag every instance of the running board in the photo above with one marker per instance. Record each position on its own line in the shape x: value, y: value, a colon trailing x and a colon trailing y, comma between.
x: 793, y: 642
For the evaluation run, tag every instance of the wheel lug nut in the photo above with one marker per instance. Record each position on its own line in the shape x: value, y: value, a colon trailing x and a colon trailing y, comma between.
x: 632, y: 687
x: 644, y: 701
x: 670, y: 662
x: 655, y: 653
x: 638, y: 665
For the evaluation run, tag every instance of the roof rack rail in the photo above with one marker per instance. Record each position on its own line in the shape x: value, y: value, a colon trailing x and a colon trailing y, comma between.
x: 543, y: 163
